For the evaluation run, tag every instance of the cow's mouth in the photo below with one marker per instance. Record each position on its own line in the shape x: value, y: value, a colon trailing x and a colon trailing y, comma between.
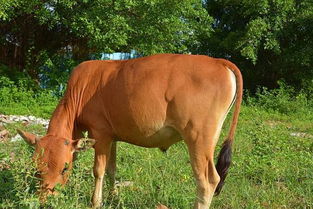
x: 50, y: 191
x: 45, y: 192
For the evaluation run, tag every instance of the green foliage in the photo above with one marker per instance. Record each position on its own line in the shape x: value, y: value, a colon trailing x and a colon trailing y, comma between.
x: 5, y: 8
x: 20, y: 98
x: 268, y: 19
x: 13, y: 74
x: 36, y: 32
x: 55, y: 72
x: 269, y: 40
x: 15, y: 187
x: 284, y: 100
x: 166, y: 26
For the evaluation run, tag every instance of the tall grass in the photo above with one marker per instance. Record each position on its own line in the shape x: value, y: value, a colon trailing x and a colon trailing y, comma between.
x: 285, y: 100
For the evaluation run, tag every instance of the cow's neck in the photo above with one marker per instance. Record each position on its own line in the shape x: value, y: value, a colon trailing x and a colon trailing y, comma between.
x: 63, y: 120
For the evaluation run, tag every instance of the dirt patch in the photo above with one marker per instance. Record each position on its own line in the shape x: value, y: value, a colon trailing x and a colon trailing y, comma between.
x: 274, y: 123
x: 302, y: 135
x: 25, y: 120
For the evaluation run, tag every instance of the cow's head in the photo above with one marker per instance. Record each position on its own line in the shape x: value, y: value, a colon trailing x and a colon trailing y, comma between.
x: 54, y: 157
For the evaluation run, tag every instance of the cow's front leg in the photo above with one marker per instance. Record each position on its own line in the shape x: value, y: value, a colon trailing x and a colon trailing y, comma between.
x: 102, y: 152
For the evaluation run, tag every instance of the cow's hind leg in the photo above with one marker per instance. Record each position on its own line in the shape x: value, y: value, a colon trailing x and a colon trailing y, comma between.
x: 102, y: 153
x: 111, y: 169
x: 201, y: 144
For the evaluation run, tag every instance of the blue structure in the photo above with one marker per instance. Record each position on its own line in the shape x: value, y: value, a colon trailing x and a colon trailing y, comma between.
x: 120, y: 55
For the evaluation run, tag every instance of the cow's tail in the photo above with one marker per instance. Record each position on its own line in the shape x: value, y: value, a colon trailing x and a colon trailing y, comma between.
x: 224, y: 157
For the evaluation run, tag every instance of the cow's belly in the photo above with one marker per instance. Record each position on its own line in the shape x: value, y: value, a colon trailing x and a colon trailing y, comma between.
x: 162, y: 138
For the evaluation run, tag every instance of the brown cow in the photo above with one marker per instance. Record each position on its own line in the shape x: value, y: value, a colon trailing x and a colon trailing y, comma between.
x: 152, y: 101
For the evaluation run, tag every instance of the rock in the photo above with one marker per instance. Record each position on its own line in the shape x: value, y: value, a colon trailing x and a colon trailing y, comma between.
x: 23, y: 118
x: 17, y: 137
x: 32, y: 117
x: 25, y: 123
x: 4, y: 120
x: 124, y: 183
x: 26, y: 120
x: 4, y: 134
x: 301, y: 134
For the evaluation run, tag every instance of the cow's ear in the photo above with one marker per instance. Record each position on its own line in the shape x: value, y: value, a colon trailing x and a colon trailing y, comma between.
x: 30, y: 138
x: 83, y: 144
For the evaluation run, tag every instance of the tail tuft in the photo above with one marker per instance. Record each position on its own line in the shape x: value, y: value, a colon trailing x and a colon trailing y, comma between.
x: 223, y: 163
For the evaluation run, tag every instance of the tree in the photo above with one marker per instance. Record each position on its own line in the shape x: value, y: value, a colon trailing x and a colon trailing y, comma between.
x: 269, y: 39
x: 33, y: 32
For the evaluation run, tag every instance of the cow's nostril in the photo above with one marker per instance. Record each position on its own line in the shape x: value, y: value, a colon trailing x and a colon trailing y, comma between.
x: 37, y: 175
x: 51, y: 190
x: 47, y: 190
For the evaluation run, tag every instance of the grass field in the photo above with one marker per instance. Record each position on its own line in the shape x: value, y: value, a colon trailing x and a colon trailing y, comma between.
x: 272, y: 167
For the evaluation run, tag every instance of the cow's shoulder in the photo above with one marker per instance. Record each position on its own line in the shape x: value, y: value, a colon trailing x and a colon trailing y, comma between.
x: 91, y: 66
x: 93, y: 69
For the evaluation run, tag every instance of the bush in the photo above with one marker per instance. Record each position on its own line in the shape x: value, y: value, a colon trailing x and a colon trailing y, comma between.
x: 284, y: 100
x: 20, y: 98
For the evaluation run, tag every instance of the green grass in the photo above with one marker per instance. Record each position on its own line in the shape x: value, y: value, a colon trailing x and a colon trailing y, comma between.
x: 271, y: 169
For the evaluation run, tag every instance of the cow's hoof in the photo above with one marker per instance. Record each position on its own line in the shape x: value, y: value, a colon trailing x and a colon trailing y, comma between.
x: 96, y: 206
x: 113, y: 192
x: 160, y: 206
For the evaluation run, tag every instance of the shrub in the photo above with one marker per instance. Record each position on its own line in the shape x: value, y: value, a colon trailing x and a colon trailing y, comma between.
x: 20, y: 98
x: 284, y: 100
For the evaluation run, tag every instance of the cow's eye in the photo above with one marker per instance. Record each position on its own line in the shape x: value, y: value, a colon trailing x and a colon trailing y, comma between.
x: 37, y: 174
x: 64, y: 170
